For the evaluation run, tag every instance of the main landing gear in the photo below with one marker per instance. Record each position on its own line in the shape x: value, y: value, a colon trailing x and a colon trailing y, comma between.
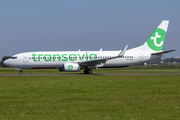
x: 21, y: 72
x: 87, y: 71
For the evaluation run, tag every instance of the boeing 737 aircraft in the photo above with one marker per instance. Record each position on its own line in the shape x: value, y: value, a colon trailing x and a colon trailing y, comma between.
x: 87, y: 60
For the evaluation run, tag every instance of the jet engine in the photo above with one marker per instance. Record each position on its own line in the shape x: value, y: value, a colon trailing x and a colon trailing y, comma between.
x: 72, y: 67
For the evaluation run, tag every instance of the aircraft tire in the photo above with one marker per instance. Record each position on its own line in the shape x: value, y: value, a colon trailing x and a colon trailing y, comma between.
x: 85, y: 71
x: 90, y: 71
x: 20, y: 72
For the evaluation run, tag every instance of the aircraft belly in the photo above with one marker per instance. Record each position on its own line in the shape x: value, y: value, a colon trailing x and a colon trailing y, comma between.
x: 45, y: 65
x: 121, y: 62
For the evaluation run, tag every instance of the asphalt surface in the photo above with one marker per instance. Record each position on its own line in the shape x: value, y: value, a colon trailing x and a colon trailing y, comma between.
x: 89, y: 74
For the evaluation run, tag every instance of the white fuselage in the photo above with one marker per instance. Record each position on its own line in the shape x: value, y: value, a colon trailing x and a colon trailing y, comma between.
x: 76, y: 60
x: 56, y: 59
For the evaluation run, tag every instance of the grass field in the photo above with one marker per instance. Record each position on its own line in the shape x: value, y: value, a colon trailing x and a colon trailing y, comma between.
x: 133, y: 69
x: 90, y: 97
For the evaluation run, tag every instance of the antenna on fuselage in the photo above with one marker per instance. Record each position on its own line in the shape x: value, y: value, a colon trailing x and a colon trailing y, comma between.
x: 100, y: 49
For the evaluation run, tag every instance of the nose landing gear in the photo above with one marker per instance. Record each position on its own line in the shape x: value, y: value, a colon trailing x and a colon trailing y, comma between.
x: 21, y: 72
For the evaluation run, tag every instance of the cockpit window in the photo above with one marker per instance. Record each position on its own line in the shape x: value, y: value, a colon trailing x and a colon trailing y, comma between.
x: 13, y: 57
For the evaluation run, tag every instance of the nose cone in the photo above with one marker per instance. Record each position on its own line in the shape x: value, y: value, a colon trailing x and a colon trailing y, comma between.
x: 7, y: 62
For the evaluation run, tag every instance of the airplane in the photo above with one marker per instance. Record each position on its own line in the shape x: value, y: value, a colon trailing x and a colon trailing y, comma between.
x: 72, y: 61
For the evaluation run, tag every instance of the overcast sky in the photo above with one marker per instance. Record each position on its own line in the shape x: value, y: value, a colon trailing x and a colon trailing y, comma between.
x: 58, y: 25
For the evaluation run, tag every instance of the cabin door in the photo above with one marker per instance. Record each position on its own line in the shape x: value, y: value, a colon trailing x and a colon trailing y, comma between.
x: 25, y: 58
x: 140, y: 57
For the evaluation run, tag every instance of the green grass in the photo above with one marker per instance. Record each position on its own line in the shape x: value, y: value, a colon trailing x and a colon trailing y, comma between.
x: 90, y: 97
x: 133, y: 69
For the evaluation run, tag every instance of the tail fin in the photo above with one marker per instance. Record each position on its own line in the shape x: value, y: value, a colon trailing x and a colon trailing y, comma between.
x: 156, y: 41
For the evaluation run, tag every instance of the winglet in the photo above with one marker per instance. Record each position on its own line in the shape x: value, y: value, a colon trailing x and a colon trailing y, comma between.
x: 123, y: 51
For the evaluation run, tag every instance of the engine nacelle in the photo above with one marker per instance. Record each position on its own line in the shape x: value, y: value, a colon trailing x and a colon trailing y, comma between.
x: 72, y: 67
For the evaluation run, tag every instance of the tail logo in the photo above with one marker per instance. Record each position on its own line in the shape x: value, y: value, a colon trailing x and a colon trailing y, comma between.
x: 156, y: 40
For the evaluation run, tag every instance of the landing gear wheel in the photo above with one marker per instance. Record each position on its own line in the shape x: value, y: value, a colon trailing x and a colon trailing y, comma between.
x: 20, y: 72
x: 88, y: 71
x: 85, y: 71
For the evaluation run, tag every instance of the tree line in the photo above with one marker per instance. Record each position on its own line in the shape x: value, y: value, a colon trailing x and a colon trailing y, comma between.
x: 166, y: 60
x: 3, y: 59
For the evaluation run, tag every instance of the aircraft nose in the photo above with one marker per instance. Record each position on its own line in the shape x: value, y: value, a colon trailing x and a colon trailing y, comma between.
x: 7, y: 62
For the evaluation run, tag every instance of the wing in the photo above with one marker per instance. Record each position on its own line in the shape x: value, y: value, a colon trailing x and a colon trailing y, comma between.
x: 100, y: 61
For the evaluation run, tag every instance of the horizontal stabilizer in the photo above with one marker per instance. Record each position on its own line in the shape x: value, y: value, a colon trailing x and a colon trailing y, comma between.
x: 163, y: 52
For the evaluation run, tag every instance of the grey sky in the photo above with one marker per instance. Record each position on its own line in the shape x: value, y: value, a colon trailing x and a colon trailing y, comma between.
x: 56, y: 25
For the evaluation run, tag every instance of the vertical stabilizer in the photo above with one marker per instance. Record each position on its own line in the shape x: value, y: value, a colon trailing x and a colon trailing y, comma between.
x: 156, y: 41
